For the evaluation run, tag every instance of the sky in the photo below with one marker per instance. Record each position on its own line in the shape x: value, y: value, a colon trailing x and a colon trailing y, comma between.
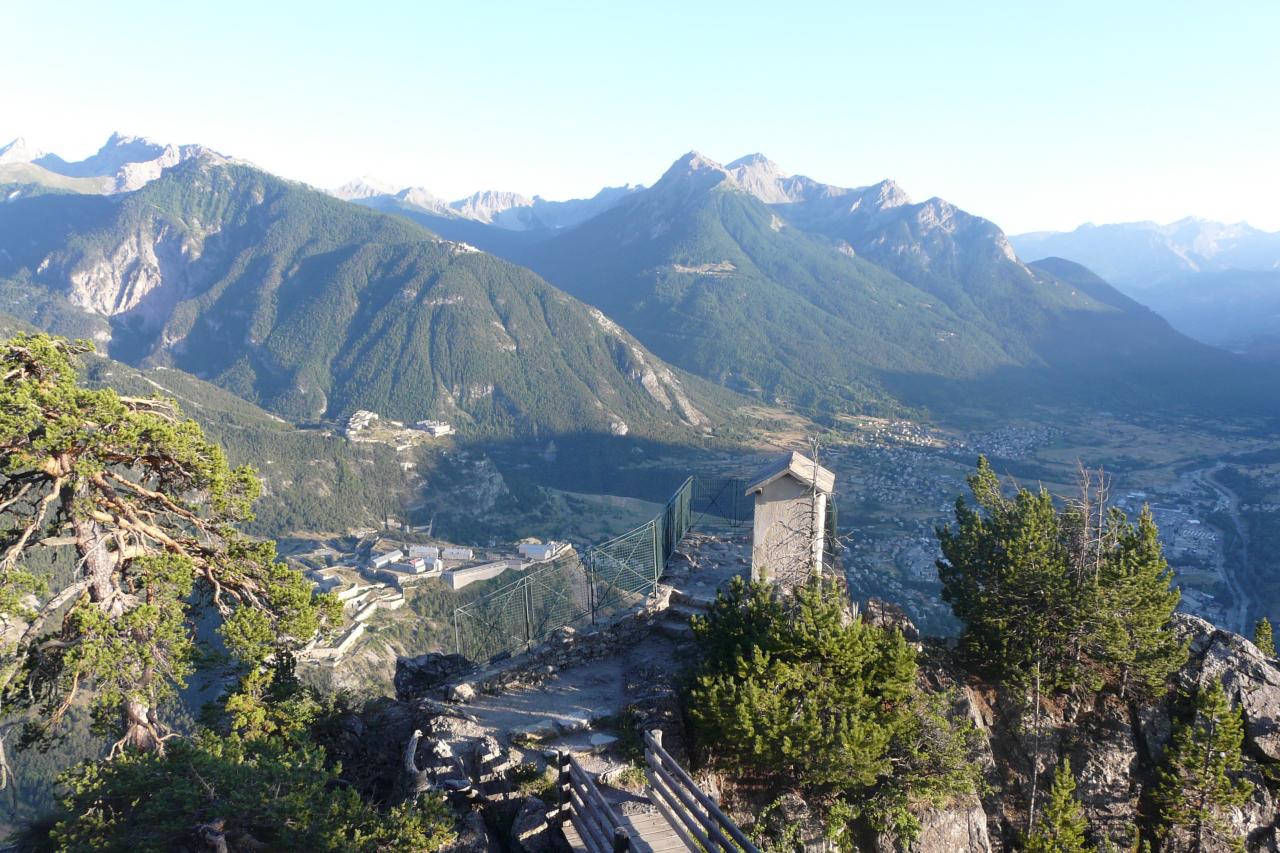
x: 1035, y: 115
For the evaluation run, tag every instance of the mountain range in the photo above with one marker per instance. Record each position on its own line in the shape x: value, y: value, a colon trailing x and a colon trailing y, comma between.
x: 1217, y: 282
x: 313, y: 308
x: 828, y: 298
x: 621, y: 313
x: 122, y: 164
x: 506, y: 210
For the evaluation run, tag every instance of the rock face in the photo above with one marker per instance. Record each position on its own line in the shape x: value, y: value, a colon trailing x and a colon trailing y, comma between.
x: 961, y: 828
x: 1116, y: 747
x: 890, y: 617
x: 417, y: 675
x: 1105, y: 760
x: 1249, y: 678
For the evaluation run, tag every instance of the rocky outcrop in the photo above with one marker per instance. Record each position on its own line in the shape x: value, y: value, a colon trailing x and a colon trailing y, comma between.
x: 1250, y: 679
x: 959, y: 828
x: 1105, y: 758
x: 417, y: 676
x: 1115, y: 746
x: 890, y: 617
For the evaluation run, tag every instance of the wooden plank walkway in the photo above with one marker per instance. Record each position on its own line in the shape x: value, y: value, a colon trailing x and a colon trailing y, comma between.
x: 650, y: 833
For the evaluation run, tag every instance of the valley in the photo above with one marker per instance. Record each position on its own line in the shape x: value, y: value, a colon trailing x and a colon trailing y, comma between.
x: 430, y: 390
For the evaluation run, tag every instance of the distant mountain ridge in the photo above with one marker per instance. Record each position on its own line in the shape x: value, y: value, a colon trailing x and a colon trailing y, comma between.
x: 506, y: 210
x: 1141, y: 254
x: 827, y: 299
x: 1217, y: 282
x: 124, y: 163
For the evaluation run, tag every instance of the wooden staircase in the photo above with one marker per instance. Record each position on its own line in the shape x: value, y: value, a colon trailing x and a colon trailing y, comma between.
x: 684, y: 817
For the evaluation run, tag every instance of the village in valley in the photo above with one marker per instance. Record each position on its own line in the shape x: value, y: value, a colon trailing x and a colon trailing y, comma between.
x: 371, y: 573
x: 899, y: 480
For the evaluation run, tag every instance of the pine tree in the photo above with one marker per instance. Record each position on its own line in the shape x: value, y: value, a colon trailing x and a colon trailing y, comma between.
x: 1262, y: 637
x: 1199, y: 781
x: 1136, y: 600
x: 145, y: 510
x: 1006, y: 573
x: 1061, y: 826
x: 794, y: 691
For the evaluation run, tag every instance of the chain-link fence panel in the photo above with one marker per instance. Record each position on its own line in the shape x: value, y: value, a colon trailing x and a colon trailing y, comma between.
x: 612, y: 577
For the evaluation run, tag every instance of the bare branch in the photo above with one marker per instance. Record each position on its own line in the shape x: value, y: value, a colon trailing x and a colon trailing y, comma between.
x: 37, y: 521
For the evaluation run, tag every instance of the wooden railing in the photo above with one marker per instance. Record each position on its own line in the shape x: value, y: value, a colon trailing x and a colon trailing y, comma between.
x: 694, y: 816
x: 597, y: 823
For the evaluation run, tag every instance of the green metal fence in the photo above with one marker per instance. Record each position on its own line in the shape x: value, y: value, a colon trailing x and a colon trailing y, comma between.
x: 608, y: 578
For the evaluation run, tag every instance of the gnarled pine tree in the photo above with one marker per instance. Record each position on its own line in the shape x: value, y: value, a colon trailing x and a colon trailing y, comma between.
x: 147, y: 509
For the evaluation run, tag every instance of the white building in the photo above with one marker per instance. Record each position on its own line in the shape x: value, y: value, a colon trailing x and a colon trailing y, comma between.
x: 435, y: 428
x: 360, y: 420
x: 410, y: 566
x: 426, y: 552
x: 540, y: 553
x: 458, y: 578
x: 791, y: 495
x: 458, y: 554
x: 380, y: 561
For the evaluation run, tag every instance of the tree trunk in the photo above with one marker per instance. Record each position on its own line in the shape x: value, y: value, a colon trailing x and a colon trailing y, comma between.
x: 141, y: 728
x: 1035, y: 756
x: 99, y: 567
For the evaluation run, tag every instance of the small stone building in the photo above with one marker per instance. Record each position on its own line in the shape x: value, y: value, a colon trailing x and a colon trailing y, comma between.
x: 791, y: 495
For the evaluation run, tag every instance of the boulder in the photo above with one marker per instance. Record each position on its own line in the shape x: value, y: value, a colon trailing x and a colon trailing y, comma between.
x: 473, y: 836
x: 535, y: 732
x: 417, y: 675
x: 890, y: 617
x: 529, y: 831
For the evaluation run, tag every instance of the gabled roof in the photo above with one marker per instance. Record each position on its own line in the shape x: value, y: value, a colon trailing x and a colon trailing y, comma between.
x: 795, y: 465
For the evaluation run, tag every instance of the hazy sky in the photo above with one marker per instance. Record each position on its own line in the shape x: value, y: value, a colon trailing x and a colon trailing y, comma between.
x: 1033, y: 114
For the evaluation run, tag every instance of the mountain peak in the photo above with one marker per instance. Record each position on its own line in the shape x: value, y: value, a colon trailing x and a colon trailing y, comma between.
x: 697, y: 161
x: 362, y: 187
x: 487, y: 205
x: 19, y: 151
x: 117, y: 138
x: 693, y: 171
x: 755, y: 161
x: 762, y: 177
x: 128, y: 161
x: 889, y: 194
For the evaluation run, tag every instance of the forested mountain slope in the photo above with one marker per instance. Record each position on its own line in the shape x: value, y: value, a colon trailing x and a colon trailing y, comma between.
x: 312, y: 481
x: 313, y: 308
x: 835, y: 299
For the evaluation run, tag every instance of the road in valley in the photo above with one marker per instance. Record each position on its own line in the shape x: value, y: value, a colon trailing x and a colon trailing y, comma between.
x: 1238, y: 614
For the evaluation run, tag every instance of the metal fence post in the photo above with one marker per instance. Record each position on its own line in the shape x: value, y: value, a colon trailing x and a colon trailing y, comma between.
x: 657, y: 549
x: 457, y: 634
x: 528, y: 614
x: 591, y: 587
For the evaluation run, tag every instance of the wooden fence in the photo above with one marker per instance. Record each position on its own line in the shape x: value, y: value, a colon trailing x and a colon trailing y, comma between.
x: 694, y: 816
x: 598, y: 824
